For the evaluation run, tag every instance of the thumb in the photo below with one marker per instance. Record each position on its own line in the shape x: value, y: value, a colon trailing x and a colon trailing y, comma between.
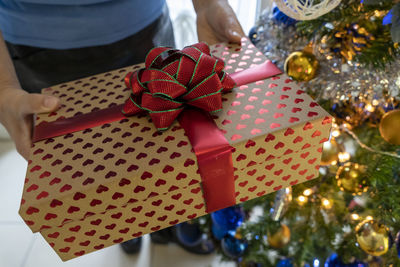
x: 234, y: 32
x: 37, y: 103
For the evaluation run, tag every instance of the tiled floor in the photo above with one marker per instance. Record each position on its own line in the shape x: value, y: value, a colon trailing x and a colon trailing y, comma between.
x: 20, y: 248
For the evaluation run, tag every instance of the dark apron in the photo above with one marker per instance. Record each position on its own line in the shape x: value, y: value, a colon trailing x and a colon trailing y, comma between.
x: 39, y: 68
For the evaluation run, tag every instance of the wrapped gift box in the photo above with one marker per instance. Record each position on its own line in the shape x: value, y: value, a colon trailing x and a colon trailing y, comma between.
x: 90, y: 189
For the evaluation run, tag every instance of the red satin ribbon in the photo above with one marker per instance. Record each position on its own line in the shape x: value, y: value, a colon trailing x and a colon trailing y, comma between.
x: 212, y: 150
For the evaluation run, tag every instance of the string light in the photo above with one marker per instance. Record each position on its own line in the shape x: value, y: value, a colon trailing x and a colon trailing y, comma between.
x: 355, y: 216
x: 302, y: 200
x: 370, y: 108
x: 307, y: 192
x: 343, y: 156
x: 326, y: 203
x: 369, y: 218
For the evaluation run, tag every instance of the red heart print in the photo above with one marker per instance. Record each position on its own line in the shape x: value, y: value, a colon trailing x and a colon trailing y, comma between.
x: 110, y: 174
x: 199, y: 206
x: 87, y: 162
x: 124, y: 181
x: 294, y: 182
x: 86, y: 243
x: 38, y: 151
x: 70, y: 239
x: 88, y: 181
x: 241, y: 157
x: 79, y: 195
x: 154, y: 161
x: 279, y: 145
x: 101, y: 189
x: 251, y: 163
x: 110, y: 207
x: 79, y: 253
x: 303, y: 172
x: 50, y: 216
x: 189, y: 162
x: 33, y: 187
x: 243, y: 199
x: 146, y: 175
x: 286, y: 177
x: 195, y: 190
x: 298, y: 100
x: 277, y: 188
x: 137, y: 234
x: 64, y: 250
x: 99, y: 246
x: 117, y: 195
x: 55, y: 202
x: 181, y: 212
x: 162, y: 149
x: 160, y: 182
x: 261, y: 178
x: 137, y: 209
x: 182, y: 143
x: 168, y: 168
x: 46, y: 174
x: 279, y: 172
x: 124, y: 231
x: 110, y: 226
x: 129, y: 150
x: 54, y: 235
x: 305, y: 155
x: 132, y: 168
x: 47, y: 156
x: 65, y: 187
x: 173, y: 222
x: 131, y: 220
x: 109, y: 156
x: 252, y: 172
x: 252, y: 189
x: 75, y: 229
x: 170, y: 207
x: 270, y: 157
x: 143, y: 224
x: 32, y: 210
x: 269, y: 183
x: 150, y: 214
x: 293, y: 119
x: 260, y: 151
x: 73, y: 209
x: 120, y: 162
x: 243, y: 184
x: 270, y: 166
x: 316, y: 133
x: 95, y: 202
x: 289, y: 131
x: 99, y: 168
x: 270, y: 137
x: 138, y: 189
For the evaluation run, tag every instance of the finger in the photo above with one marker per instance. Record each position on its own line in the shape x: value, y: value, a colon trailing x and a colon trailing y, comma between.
x: 37, y: 103
x: 234, y: 31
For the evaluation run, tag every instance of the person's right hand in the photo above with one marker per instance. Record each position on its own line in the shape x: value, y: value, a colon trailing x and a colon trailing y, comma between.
x: 16, y: 114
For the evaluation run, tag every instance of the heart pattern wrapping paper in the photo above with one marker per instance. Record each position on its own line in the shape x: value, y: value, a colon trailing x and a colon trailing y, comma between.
x: 91, y: 189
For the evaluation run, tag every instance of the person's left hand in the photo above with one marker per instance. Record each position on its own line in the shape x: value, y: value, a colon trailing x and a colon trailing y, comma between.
x: 216, y: 22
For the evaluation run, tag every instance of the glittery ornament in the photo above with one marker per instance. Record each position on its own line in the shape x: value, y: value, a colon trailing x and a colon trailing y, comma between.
x: 226, y: 220
x: 389, y: 127
x: 350, y: 41
x: 233, y: 247
x: 330, y: 152
x: 281, y: 18
x: 373, y: 237
x: 351, y: 178
x: 301, y: 66
x: 253, y: 35
x: 335, y: 261
x: 280, y: 238
x: 283, y: 197
x: 306, y: 10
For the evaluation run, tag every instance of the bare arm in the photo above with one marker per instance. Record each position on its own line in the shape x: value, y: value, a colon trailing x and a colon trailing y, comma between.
x: 17, y: 106
x: 216, y: 22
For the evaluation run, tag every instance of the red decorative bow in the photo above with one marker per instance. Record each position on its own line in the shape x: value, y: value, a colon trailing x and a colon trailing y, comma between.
x: 173, y: 79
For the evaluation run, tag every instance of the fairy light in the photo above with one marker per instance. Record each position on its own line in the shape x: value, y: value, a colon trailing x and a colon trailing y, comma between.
x: 355, y: 217
x: 343, y: 156
x: 326, y: 203
x: 302, y: 200
x: 307, y: 192
x: 370, y: 108
x: 375, y: 102
x: 335, y: 133
x: 369, y: 218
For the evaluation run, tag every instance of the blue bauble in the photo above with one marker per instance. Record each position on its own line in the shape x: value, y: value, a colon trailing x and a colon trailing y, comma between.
x: 233, y: 247
x: 226, y: 220
x: 281, y: 18
x: 335, y: 261
x: 284, y: 263
x: 253, y: 35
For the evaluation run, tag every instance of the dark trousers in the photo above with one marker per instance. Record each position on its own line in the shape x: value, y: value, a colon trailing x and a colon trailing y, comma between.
x: 39, y: 68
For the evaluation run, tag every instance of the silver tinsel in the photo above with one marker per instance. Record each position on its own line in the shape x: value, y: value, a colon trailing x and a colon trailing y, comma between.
x: 336, y: 79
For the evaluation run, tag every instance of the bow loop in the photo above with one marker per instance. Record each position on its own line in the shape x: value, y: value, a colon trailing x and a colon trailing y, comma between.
x: 174, y: 79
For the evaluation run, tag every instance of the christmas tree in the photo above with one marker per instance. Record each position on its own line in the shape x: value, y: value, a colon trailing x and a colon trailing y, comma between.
x: 348, y: 60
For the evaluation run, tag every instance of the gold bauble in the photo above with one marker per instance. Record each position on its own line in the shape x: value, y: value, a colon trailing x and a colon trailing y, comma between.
x: 389, y: 127
x: 330, y: 152
x: 373, y: 237
x: 301, y: 66
x: 280, y: 238
x: 351, y: 178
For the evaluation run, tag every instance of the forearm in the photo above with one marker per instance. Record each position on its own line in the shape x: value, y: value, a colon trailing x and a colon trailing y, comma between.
x: 200, y: 4
x: 8, y: 77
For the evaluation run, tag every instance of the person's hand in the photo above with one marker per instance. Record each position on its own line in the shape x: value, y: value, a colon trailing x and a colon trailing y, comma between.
x: 216, y: 22
x: 16, y: 114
